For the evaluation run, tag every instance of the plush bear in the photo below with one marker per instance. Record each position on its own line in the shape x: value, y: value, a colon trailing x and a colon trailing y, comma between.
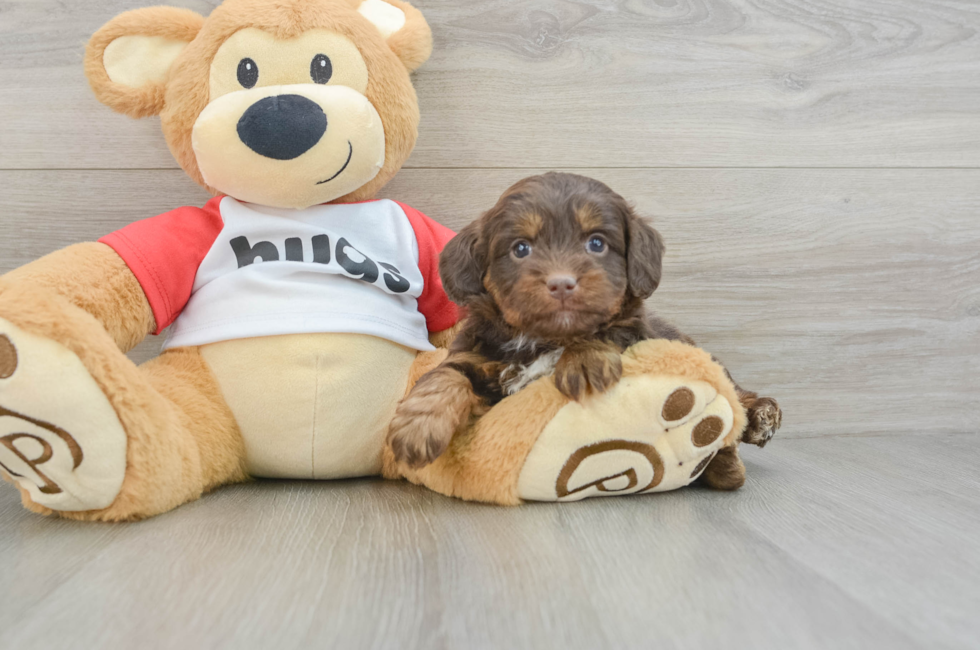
x: 300, y: 309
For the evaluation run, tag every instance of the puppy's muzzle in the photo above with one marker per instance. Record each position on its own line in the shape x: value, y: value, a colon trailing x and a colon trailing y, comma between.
x: 282, y: 127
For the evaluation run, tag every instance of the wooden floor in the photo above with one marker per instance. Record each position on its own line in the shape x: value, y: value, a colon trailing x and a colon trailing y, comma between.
x: 863, y: 542
x: 814, y: 166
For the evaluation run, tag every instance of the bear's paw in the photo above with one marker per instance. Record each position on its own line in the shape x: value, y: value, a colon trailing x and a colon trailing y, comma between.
x: 60, y: 439
x: 647, y: 434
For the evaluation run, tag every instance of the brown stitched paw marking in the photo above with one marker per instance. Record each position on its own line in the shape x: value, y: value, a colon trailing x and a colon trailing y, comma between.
x: 607, y: 483
x: 700, y: 466
x: 596, y: 371
x: 417, y: 441
x: 8, y: 357
x: 765, y: 418
x: 678, y: 404
x: 707, y: 431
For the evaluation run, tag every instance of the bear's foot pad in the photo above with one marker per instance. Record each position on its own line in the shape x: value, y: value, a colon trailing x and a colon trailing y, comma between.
x: 60, y: 439
x: 667, y: 430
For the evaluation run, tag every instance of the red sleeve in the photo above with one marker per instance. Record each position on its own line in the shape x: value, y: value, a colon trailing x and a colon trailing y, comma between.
x: 164, y: 253
x: 440, y: 312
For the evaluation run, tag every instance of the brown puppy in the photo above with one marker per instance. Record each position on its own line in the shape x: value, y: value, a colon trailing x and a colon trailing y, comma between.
x: 554, y: 277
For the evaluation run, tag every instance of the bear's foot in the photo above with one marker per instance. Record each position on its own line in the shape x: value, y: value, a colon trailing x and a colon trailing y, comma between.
x: 670, y: 416
x: 61, y: 441
x: 647, y: 434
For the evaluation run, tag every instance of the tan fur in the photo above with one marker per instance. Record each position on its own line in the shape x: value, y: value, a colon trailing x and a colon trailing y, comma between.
x: 183, y: 379
x: 445, y: 337
x: 389, y: 87
x: 426, y: 420
x: 413, y: 42
x: 182, y: 439
x: 484, y: 463
x: 512, y: 315
x: 589, y: 218
x: 168, y: 22
x: 92, y: 277
x: 424, y: 362
x: 530, y: 225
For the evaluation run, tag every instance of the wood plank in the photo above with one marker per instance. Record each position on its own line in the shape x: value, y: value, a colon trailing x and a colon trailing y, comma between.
x: 865, y: 513
x: 834, y: 542
x: 853, y: 297
x: 606, y: 83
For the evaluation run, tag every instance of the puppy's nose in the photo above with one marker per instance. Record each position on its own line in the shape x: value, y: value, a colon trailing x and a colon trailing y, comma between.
x: 282, y: 127
x: 561, y: 286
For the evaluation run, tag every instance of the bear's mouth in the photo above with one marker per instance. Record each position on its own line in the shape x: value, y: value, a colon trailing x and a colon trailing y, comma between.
x: 350, y: 154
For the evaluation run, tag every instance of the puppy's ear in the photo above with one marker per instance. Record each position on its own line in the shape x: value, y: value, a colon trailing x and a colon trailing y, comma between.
x: 644, y: 256
x: 462, y: 265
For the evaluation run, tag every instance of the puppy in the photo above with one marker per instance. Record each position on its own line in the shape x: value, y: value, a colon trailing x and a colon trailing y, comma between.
x: 553, y: 278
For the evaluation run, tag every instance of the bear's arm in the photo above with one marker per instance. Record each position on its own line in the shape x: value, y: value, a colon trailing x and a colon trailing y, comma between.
x: 165, y: 252
x: 94, y: 278
x: 134, y: 281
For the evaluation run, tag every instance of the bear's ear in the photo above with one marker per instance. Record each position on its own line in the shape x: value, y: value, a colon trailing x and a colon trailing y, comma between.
x: 403, y: 26
x: 127, y: 61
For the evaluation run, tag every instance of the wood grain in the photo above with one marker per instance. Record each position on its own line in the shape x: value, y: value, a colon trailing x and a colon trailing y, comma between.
x: 608, y: 83
x: 833, y: 543
x: 851, y: 293
x: 854, y: 298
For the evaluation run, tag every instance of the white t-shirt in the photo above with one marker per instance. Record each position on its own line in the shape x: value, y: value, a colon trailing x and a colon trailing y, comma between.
x: 236, y: 270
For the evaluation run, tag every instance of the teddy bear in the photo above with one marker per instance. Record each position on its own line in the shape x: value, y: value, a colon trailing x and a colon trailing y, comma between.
x: 300, y: 308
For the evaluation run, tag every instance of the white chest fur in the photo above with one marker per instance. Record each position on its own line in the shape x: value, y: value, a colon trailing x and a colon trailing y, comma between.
x: 517, y: 376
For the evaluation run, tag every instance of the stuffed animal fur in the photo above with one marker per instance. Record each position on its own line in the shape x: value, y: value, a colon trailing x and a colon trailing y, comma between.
x: 301, y: 309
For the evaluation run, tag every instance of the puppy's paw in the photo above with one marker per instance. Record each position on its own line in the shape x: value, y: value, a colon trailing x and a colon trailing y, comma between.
x: 765, y: 418
x: 595, y: 370
x: 418, y: 439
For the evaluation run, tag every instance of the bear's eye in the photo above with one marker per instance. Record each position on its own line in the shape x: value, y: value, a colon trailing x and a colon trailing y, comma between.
x: 248, y: 73
x: 321, y: 69
x: 596, y: 244
x: 520, y: 249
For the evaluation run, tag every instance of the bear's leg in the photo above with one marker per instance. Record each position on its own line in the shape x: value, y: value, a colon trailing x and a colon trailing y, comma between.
x: 86, y: 434
x: 205, y: 448
x: 725, y: 471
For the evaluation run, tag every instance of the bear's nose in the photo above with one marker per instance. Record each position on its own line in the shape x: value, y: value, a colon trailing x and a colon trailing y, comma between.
x: 282, y: 127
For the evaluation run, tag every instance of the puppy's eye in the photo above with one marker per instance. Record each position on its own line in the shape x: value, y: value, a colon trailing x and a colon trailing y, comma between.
x: 248, y: 73
x: 321, y: 69
x: 596, y: 245
x: 520, y: 249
